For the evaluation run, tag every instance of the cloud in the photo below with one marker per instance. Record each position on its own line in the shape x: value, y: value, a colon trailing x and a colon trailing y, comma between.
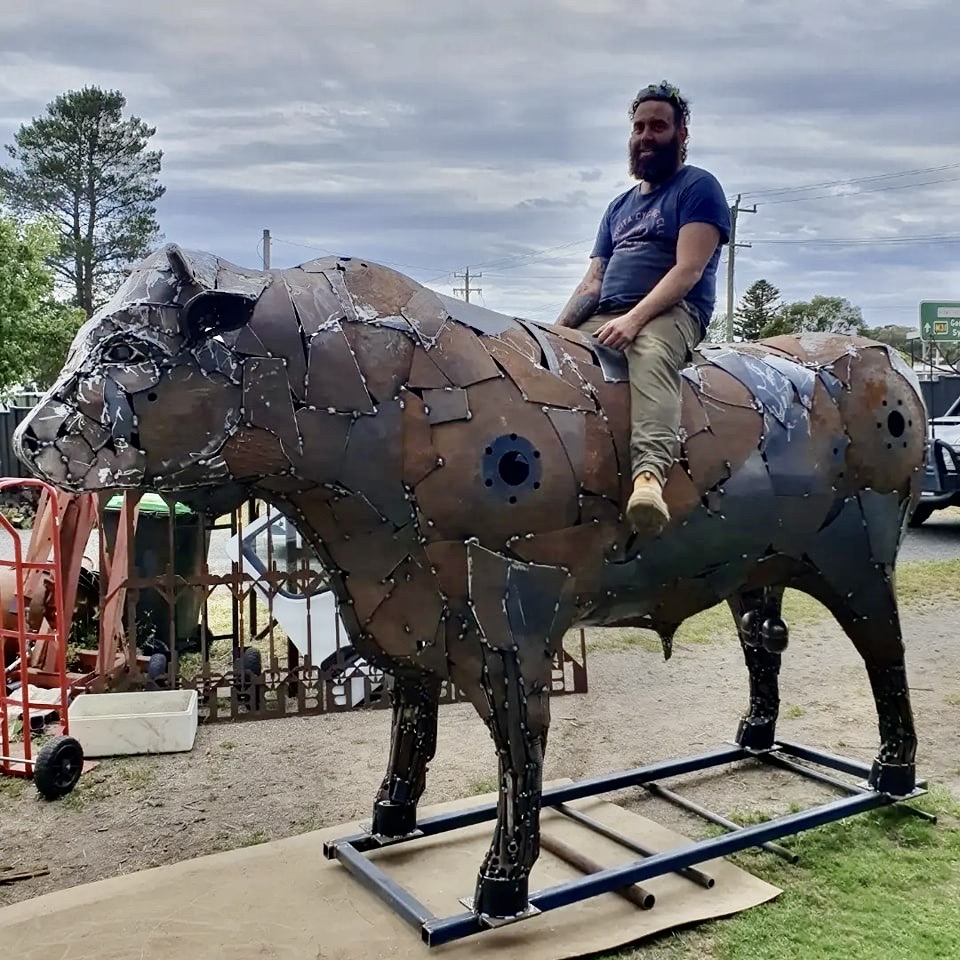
x: 439, y: 136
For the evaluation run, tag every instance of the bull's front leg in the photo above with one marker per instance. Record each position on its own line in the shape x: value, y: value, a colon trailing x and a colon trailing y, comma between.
x: 518, y: 721
x: 520, y: 612
x: 413, y: 743
x: 763, y: 636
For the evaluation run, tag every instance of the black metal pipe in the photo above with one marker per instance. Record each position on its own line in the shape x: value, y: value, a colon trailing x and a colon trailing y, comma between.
x: 689, y: 873
x: 701, y: 811
x: 776, y: 760
x: 386, y: 888
x: 444, y: 930
x: 843, y: 764
x: 595, y: 786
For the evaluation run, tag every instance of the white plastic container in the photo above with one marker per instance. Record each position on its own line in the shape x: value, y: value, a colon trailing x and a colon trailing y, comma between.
x: 148, y: 721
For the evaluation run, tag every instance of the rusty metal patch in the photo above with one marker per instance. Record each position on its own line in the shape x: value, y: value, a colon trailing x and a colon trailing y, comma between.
x: 447, y: 404
x: 443, y: 496
x: 419, y: 456
x: 334, y: 380
x: 316, y: 305
x: 383, y: 356
x: 460, y: 355
x: 378, y: 439
x: 267, y: 401
x: 536, y: 385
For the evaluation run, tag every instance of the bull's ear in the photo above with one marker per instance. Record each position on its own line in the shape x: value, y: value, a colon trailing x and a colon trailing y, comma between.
x: 213, y: 312
x: 180, y: 265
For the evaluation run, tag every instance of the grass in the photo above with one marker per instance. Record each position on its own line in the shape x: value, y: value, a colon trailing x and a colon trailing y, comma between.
x: 919, y: 584
x: 881, y: 884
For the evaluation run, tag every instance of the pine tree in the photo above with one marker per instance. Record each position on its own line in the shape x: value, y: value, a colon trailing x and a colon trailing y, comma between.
x: 86, y: 167
x: 758, y: 309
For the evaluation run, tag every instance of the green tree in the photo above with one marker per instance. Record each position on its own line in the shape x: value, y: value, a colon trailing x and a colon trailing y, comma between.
x: 35, y: 329
x: 893, y: 335
x: 89, y: 169
x: 716, y: 329
x: 758, y: 309
x: 819, y: 315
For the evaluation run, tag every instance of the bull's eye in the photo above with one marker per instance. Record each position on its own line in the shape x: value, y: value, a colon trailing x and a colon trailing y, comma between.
x: 123, y: 353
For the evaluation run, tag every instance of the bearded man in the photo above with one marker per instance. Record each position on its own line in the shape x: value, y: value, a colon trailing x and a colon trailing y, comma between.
x: 650, y: 286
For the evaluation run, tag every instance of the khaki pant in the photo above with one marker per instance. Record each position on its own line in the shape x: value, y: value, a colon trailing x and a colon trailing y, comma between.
x: 655, y: 358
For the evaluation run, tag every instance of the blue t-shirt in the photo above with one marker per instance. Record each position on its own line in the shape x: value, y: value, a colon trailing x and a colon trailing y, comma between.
x: 638, y: 236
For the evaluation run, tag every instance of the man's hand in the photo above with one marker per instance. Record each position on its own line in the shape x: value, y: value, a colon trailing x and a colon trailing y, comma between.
x: 620, y: 332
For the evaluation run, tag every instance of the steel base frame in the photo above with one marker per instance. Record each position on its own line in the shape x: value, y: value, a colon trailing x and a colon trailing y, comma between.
x: 435, y: 931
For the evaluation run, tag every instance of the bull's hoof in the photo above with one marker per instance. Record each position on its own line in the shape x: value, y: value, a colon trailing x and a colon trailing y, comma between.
x: 393, y: 819
x: 501, y: 897
x: 756, y: 734
x: 893, y: 779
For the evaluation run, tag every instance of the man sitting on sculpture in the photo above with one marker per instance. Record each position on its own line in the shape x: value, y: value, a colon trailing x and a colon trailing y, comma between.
x: 650, y: 286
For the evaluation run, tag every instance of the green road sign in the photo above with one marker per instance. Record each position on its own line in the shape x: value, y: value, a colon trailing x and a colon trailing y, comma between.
x: 940, y: 320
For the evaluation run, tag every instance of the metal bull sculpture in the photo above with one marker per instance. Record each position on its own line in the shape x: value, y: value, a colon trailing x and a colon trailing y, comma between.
x: 461, y: 473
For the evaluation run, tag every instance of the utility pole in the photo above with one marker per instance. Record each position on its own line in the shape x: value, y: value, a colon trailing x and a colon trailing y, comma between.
x: 731, y: 257
x: 466, y: 289
x: 266, y: 249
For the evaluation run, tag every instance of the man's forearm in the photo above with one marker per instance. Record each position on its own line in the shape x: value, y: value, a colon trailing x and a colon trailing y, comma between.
x: 580, y: 306
x: 672, y: 288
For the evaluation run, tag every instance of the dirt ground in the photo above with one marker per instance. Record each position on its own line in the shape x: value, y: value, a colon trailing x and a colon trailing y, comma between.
x: 244, y: 783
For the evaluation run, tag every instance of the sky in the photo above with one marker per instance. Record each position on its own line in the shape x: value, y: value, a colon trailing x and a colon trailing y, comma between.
x: 436, y: 137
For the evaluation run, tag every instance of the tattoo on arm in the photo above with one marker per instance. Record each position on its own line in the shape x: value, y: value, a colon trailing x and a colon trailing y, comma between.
x: 578, y: 308
x: 586, y: 297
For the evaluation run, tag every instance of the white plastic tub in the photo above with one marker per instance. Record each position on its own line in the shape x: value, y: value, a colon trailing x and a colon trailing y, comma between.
x: 149, y: 721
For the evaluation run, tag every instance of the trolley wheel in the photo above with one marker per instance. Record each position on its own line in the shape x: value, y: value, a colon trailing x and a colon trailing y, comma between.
x: 58, y: 767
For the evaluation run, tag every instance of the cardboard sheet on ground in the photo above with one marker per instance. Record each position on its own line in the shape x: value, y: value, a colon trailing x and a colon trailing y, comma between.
x: 283, y: 900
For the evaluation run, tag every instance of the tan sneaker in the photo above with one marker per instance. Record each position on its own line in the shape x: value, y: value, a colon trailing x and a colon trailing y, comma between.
x: 646, y: 508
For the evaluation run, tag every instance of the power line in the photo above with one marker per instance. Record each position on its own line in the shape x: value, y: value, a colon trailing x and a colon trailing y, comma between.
x: 860, y: 193
x: 776, y: 191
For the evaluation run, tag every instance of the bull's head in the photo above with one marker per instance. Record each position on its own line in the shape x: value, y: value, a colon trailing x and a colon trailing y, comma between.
x: 151, y: 391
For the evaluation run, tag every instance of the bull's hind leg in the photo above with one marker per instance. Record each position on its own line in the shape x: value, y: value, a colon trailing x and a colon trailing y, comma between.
x: 416, y: 699
x: 854, y: 559
x: 874, y: 627
x: 757, y: 614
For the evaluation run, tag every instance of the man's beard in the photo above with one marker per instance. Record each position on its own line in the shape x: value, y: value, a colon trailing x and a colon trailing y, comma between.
x: 662, y: 163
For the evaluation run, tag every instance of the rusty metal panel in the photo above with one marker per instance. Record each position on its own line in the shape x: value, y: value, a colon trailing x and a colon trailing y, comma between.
x: 419, y: 455
x: 275, y: 325
x: 450, y: 496
x: 580, y: 550
x: 314, y: 301
x: 424, y: 373
x: 324, y: 438
x: 171, y: 441
x: 427, y: 314
x: 267, y: 401
x: 334, y: 380
x: 254, y: 453
x: 377, y: 291
x: 460, y: 355
x: 449, y: 403
x: 478, y: 318
x: 537, y: 385
x: 410, y: 614
x: 383, y: 356
x: 602, y: 471
x: 378, y: 439
x: 522, y: 341
x: 572, y: 430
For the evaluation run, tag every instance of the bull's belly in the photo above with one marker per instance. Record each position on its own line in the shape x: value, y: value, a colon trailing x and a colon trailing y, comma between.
x: 708, y: 556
